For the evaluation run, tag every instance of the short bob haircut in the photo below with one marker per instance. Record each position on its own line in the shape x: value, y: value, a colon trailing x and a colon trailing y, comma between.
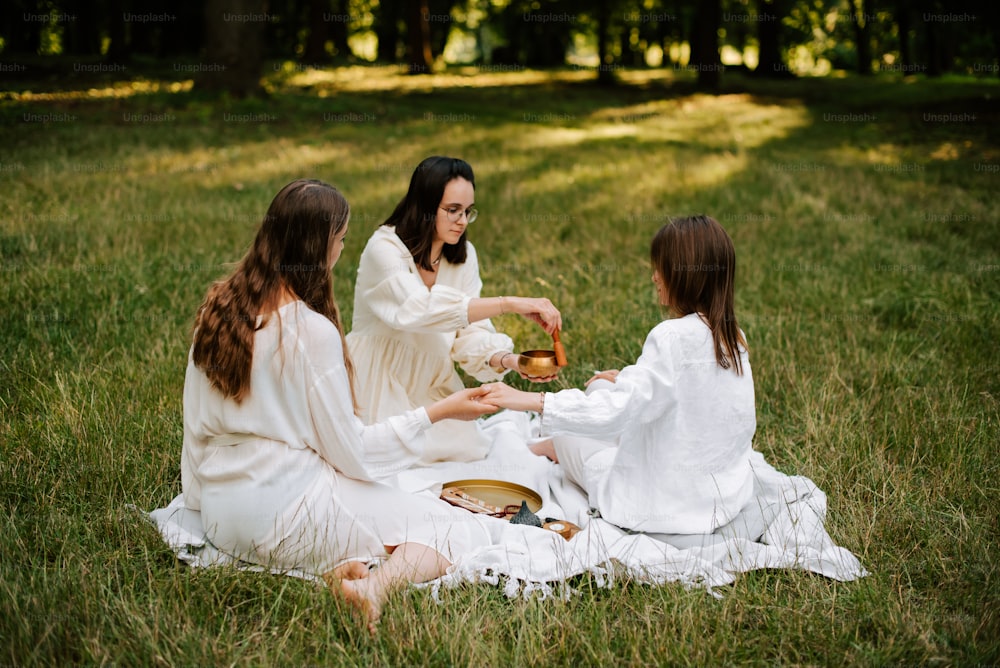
x: 415, y: 215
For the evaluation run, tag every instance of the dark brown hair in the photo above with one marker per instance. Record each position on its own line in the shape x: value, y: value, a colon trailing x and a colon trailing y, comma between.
x: 697, y: 262
x: 291, y: 250
x: 415, y: 215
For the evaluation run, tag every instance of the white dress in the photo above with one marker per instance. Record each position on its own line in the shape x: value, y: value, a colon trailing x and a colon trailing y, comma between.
x: 683, y: 428
x: 283, y: 479
x: 405, y: 340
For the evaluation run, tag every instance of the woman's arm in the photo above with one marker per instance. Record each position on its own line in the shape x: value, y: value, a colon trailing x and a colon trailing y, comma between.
x: 506, y: 396
x: 538, y: 309
x: 639, y: 393
x: 389, y: 286
x: 479, y: 349
x: 375, y: 451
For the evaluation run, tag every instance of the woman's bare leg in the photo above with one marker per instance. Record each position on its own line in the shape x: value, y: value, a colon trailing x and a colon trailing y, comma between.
x: 408, y: 562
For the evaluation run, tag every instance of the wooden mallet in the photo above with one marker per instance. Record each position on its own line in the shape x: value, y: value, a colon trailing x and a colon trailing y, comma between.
x: 559, y: 350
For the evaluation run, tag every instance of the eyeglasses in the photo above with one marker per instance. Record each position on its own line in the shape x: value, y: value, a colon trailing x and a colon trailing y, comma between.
x: 455, y: 213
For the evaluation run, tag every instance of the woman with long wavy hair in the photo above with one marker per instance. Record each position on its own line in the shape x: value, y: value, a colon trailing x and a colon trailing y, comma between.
x: 274, y: 456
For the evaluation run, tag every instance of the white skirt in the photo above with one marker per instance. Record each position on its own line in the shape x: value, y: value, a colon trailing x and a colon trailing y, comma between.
x: 335, y: 520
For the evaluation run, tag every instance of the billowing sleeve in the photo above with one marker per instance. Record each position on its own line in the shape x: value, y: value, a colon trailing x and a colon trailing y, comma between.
x: 192, y: 450
x: 365, y: 452
x: 639, y: 394
x: 191, y: 458
x: 478, y: 341
x: 397, y: 296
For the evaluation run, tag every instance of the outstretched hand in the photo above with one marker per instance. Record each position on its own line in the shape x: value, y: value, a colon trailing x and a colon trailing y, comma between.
x: 610, y: 375
x: 467, y: 404
x: 505, y: 396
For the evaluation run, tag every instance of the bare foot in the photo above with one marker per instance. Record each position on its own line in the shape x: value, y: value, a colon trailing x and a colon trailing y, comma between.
x: 359, y: 593
x: 351, y: 570
x: 544, y: 449
x: 350, y: 582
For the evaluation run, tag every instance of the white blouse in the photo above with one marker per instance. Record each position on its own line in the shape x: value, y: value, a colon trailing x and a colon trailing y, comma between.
x: 251, y: 467
x: 405, y: 340
x: 683, y: 428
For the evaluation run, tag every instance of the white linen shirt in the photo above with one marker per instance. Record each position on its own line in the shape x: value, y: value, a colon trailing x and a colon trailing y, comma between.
x: 295, y: 425
x: 683, y: 428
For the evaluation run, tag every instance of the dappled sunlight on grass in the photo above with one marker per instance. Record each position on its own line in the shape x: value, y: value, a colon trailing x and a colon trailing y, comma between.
x: 946, y: 151
x: 732, y: 123
x: 247, y: 162
x: 737, y: 121
x: 118, y: 90
x: 555, y: 136
x: 385, y: 78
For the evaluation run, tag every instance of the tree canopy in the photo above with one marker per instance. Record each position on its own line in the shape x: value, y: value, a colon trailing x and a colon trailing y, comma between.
x: 768, y: 38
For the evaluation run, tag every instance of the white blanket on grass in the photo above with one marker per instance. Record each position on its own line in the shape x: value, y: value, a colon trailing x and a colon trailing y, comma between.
x: 782, y: 528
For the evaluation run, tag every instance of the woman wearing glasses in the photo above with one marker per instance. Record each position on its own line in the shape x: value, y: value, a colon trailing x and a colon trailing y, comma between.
x: 418, y: 310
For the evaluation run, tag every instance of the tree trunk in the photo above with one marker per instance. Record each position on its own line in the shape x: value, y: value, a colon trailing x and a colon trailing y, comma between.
x: 320, y: 18
x: 234, y: 48
x: 21, y: 37
x: 861, y: 35
x: 339, y: 32
x: 665, y: 38
x: 904, y: 23
x: 705, y: 48
x: 770, y: 63
x: 81, y: 36
x: 604, y: 72
x: 933, y: 49
x: 118, y: 47
x: 387, y: 30
x: 419, y: 36
x: 440, y: 27
x: 181, y: 33
x: 625, y: 45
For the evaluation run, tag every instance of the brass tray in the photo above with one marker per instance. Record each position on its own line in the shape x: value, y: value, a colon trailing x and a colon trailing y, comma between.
x: 498, y: 492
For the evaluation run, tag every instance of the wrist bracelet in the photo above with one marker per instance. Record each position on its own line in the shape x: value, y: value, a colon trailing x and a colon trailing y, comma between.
x: 542, y: 409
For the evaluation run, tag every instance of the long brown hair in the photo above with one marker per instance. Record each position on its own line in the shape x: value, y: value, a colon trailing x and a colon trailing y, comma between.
x: 697, y: 262
x: 415, y: 215
x: 292, y: 251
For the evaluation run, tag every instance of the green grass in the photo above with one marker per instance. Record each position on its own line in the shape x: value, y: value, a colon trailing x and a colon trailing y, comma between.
x: 869, y: 255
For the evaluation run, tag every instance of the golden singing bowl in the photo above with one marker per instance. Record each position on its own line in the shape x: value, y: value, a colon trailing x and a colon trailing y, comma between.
x: 538, y: 363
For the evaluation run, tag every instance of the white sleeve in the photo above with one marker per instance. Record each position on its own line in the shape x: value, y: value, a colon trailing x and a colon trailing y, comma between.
x: 360, y: 451
x: 478, y: 341
x: 640, y: 394
x: 192, y: 452
x: 398, y: 297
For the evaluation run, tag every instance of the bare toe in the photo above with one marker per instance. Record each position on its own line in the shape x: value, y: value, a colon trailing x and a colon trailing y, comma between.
x: 352, y: 570
x: 358, y: 593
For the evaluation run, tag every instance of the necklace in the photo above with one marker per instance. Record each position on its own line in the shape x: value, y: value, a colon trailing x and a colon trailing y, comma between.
x: 437, y: 261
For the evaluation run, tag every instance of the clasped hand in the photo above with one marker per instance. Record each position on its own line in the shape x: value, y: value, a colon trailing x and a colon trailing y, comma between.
x: 474, y: 402
x: 505, y: 396
x: 467, y: 404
